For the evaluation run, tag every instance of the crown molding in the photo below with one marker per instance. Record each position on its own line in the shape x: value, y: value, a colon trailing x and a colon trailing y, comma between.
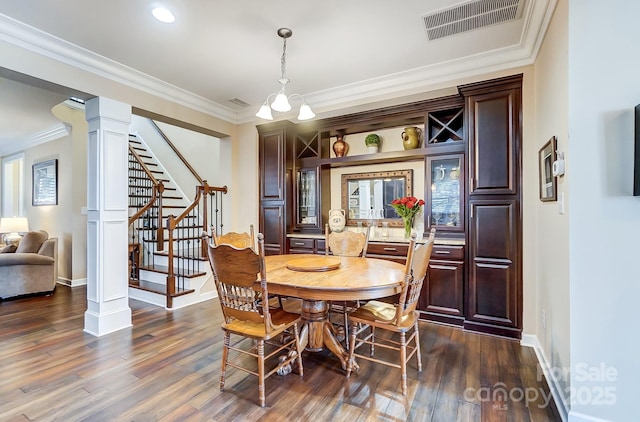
x: 51, y: 134
x: 47, y: 45
x: 537, y: 16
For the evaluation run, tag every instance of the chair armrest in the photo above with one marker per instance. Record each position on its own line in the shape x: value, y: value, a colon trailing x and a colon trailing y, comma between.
x: 20, y: 258
x: 49, y: 248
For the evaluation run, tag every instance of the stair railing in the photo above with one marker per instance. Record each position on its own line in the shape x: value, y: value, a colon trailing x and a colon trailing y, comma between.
x: 145, y: 225
x: 188, y: 250
x: 175, y: 150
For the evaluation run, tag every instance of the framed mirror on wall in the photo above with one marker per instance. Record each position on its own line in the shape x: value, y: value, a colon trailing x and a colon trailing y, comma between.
x: 367, y: 196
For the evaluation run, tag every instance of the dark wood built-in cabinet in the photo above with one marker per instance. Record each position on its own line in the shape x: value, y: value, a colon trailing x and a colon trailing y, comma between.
x: 276, y: 167
x: 494, y: 233
x: 471, y: 150
x: 442, y: 297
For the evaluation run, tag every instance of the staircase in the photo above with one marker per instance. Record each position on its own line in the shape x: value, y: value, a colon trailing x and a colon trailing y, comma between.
x: 167, y: 256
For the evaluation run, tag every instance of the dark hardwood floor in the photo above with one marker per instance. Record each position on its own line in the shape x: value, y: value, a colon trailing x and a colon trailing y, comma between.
x: 167, y: 368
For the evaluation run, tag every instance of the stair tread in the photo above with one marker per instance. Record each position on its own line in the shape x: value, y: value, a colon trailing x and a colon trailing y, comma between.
x: 163, y: 269
x: 149, y: 196
x: 158, y: 288
x: 145, y: 163
x: 183, y: 255
x: 175, y: 239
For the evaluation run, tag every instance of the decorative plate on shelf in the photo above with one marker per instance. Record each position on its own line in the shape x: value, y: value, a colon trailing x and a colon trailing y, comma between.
x: 353, y: 202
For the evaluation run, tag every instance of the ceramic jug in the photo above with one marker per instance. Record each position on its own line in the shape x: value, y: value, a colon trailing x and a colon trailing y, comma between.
x: 337, y: 220
x: 411, y: 137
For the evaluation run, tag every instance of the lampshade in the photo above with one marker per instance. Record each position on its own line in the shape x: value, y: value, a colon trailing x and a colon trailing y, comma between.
x: 14, y: 225
x: 305, y: 112
x: 281, y: 102
x: 265, y: 112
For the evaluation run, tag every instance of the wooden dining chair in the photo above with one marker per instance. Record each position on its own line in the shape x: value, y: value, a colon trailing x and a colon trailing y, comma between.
x: 397, y: 318
x: 239, y: 240
x: 245, y: 316
x: 345, y: 243
x: 242, y: 240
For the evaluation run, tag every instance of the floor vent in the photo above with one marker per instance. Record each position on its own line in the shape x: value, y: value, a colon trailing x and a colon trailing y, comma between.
x: 471, y: 15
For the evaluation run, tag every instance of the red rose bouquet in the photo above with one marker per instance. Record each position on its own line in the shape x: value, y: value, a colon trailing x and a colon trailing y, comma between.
x: 407, y: 208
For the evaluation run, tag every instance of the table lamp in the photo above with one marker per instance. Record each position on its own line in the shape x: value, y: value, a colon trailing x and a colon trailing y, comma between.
x: 12, y: 226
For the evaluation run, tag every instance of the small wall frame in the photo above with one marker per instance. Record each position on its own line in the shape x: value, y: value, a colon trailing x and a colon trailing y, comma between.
x: 45, y: 183
x: 548, y: 182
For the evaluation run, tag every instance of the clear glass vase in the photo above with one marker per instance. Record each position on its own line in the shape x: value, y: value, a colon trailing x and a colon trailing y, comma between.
x: 408, y: 225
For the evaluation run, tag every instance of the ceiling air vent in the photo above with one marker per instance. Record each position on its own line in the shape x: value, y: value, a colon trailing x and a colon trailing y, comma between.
x: 239, y: 102
x: 471, y: 15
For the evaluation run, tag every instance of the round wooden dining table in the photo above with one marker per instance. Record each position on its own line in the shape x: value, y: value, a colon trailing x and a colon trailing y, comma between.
x: 317, y: 279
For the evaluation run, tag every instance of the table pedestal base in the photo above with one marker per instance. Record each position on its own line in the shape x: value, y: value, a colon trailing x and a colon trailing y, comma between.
x: 318, y: 332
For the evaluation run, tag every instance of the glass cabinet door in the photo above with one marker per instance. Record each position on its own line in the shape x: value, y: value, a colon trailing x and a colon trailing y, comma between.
x: 444, y: 203
x: 307, y: 196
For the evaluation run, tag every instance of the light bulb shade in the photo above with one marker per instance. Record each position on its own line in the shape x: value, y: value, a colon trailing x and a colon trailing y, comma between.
x: 305, y: 112
x: 264, y: 112
x: 14, y: 225
x: 281, y: 103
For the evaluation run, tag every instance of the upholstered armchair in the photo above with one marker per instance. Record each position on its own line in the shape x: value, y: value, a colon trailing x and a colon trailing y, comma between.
x: 30, y: 267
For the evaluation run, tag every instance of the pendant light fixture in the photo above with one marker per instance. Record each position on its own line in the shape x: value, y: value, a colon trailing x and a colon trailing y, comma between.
x: 280, y: 99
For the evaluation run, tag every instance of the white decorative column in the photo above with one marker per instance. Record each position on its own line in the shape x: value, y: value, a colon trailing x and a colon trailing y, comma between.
x: 107, y: 217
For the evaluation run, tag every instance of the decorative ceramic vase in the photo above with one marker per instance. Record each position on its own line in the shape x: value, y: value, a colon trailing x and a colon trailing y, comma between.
x: 337, y: 220
x: 411, y: 137
x: 408, y: 225
x: 340, y: 147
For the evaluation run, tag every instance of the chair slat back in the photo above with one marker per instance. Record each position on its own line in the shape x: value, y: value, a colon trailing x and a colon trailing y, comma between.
x: 415, y: 272
x: 346, y: 243
x: 239, y: 240
x: 235, y: 272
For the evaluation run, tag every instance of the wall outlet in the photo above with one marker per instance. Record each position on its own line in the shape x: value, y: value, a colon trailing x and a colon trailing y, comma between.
x: 544, y: 319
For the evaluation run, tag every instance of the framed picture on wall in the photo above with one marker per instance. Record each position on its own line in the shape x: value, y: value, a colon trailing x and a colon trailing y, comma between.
x: 45, y: 183
x: 548, y: 182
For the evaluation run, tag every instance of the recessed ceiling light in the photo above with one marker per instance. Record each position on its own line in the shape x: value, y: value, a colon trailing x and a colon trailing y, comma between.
x: 163, y: 15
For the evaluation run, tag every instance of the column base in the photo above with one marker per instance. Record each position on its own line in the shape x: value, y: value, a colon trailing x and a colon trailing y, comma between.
x: 101, y: 324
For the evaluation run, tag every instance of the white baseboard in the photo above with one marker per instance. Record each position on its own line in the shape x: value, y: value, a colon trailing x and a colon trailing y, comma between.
x: 72, y: 283
x: 530, y: 340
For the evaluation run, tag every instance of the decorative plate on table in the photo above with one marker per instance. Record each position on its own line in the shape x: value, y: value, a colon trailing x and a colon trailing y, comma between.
x: 313, y: 264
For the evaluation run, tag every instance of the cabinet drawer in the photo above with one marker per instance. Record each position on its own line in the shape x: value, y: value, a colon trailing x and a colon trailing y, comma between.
x: 296, y: 243
x: 453, y: 252
x: 393, y: 249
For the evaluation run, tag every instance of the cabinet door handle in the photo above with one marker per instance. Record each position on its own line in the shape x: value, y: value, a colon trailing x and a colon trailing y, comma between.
x: 390, y: 249
x: 298, y: 243
x: 443, y: 252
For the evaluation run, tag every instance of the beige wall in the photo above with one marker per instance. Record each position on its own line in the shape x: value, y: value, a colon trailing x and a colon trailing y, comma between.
x: 548, y: 226
x: 76, y: 245
x: 55, y: 219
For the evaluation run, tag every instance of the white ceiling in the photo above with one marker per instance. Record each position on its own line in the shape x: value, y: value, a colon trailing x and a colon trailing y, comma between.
x: 341, y: 52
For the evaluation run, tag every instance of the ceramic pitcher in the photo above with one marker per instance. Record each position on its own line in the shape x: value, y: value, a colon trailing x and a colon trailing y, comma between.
x: 411, y: 137
x: 337, y: 220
